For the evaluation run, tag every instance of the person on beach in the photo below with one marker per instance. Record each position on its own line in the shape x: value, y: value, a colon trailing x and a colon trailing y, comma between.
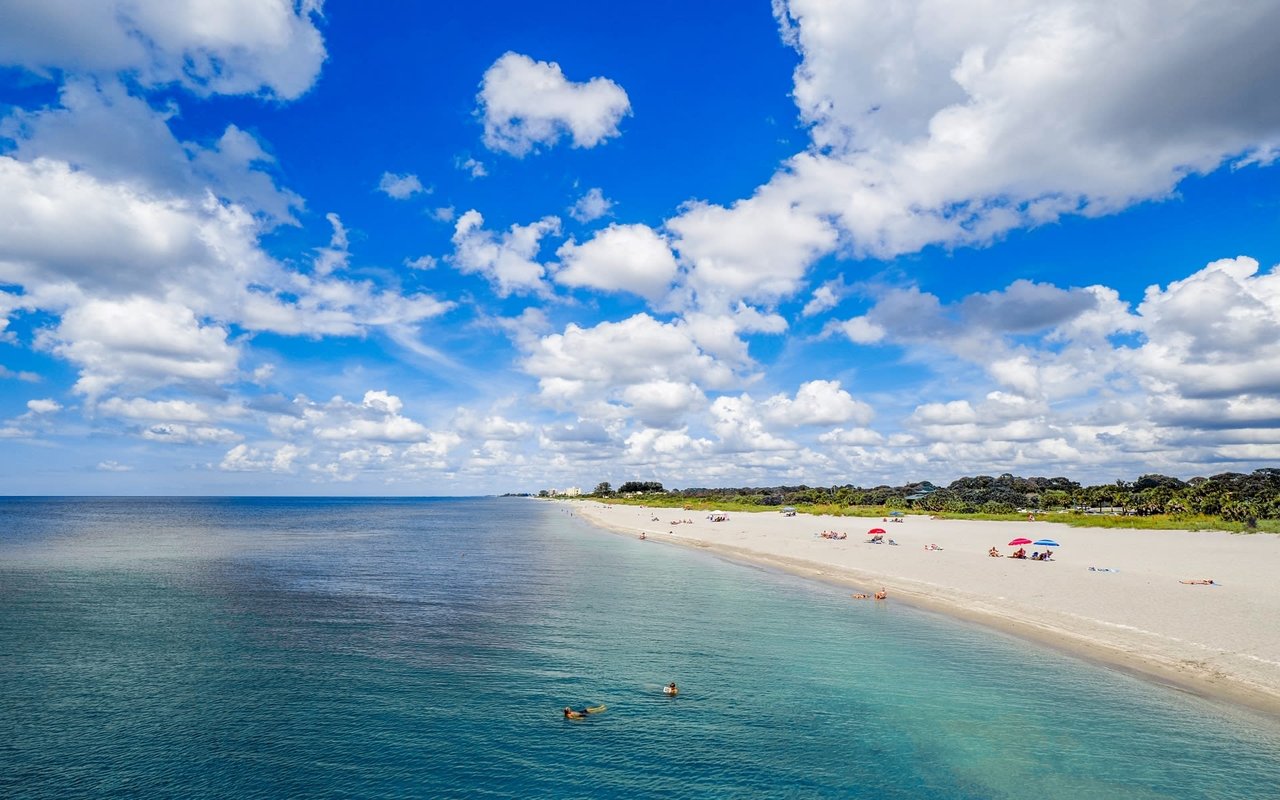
x: 860, y: 596
x: 670, y: 689
x: 994, y: 553
x: 642, y: 535
x: 882, y: 594
x: 1200, y: 582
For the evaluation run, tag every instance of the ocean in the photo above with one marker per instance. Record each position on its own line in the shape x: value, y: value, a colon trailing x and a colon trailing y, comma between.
x: 389, y: 648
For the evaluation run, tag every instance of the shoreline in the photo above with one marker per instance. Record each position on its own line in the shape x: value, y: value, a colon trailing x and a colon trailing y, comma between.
x: 1218, y: 642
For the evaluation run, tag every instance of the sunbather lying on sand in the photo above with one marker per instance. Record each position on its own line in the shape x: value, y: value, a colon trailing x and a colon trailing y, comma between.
x: 1201, y: 582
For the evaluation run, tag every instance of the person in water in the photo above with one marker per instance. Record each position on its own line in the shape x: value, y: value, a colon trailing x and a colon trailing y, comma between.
x: 670, y: 689
x: 569, y: 713
x: 882, y: 594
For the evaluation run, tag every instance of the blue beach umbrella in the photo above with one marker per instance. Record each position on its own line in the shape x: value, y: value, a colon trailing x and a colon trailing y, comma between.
x: 1045, y: 543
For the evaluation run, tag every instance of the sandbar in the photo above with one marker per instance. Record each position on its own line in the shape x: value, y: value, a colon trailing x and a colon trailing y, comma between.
x: 1109, y: 595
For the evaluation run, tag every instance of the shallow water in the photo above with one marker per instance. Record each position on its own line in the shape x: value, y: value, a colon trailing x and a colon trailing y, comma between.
x: 392, y: 648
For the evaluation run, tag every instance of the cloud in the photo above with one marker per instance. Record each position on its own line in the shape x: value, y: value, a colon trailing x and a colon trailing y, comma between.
x: 629, y: 258
x: 376, y: 418
x: 336, y: 255
x: 737, y: 422
x: 59, y: 225
x: 952, y: 125
x: 662, y: 404
x: 1215, y: 333
x: 243, y: 458
x: 145, y: 285
x: 817, y: 403
x: 23, y: 375
x: 139, y: 343
x: 591, y: 206
x: 100, y: 128
x: 140, y: 408
x: 113, y: 466
x: 400, y: 187
x: 825, y: 297
x: 236, y: 166
x: 758, y: 249
x: 857, y: 437
x: 490, y: 427
x: 177, y: 433
x: 471, y: 166
x: 526, y: 104
x: 337, y: 439
x: 585, y: 364
x: 422, y: 262
x: 507, y: 260
x: 233, y: 47
x: 43, y: 406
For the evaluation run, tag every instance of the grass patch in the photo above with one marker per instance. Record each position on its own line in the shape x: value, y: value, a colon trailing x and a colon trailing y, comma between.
x: 1181, y: 522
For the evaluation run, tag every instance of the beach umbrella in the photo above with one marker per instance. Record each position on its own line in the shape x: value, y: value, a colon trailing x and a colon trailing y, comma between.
x: 876, y: 530
x: 1019, y: 541
x: 1046, y: 543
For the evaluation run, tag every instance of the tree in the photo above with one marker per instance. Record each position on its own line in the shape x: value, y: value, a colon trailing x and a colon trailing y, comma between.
x: 603, y: 489
x: 639, y: 486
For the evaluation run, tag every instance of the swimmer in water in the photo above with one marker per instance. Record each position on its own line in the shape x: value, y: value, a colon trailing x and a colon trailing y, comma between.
x: 670, y: 689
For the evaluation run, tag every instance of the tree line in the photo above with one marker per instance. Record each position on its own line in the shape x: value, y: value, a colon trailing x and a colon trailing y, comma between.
x: 1234, y: 496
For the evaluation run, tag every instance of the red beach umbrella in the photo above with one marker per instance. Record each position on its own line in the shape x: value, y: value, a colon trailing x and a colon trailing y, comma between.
x: 876, y: 530
x: 1019, y: 541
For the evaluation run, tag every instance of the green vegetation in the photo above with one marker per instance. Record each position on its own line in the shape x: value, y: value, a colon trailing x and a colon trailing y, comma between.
x: 1230, y: 501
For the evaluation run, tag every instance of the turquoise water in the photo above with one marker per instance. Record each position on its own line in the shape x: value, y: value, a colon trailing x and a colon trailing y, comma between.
x: 424, y: 648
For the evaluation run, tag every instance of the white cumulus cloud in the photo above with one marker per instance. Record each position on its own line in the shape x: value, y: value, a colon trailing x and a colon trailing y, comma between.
x: 508, y: 260
x: 526, y: 104
x: 953, y: 123
x: 229, y: 47
x: 400, y: 187
x: 817, y: 402
x: 591, y: 206
x: 629, y: 258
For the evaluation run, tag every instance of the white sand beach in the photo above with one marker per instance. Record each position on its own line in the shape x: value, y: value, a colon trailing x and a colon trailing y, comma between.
x: 1221, y: 641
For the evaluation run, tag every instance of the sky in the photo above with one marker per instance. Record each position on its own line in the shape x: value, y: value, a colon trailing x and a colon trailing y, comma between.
x: 309, y: 247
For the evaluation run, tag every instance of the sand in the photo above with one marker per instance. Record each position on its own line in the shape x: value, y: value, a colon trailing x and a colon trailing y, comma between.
x: 1219, y: 641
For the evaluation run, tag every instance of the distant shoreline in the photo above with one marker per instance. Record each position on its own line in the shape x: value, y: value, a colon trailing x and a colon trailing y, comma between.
x: 1220, y: 642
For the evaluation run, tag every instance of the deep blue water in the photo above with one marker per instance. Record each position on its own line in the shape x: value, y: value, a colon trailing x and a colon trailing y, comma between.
x: 424, y: 648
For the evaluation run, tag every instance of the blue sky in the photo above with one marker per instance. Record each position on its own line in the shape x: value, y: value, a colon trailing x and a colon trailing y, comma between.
x: 264, y: 247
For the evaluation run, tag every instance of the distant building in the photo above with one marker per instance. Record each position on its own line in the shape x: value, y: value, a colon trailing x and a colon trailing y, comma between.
x: 921, y: 493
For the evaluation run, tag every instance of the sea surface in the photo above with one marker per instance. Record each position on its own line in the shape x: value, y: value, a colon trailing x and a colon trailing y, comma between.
x: 244, y: 648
